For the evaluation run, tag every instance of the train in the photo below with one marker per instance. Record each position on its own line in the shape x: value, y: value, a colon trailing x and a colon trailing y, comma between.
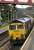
x: 18, y: 30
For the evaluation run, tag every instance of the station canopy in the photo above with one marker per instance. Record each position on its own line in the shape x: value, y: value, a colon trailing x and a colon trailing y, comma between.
x: 23, y: 6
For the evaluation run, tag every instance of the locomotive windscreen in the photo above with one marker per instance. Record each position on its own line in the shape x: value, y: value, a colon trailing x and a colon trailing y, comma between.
x: 12, y: 27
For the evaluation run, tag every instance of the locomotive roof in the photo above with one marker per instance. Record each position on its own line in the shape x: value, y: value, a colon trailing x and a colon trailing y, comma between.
x: 23, y: 19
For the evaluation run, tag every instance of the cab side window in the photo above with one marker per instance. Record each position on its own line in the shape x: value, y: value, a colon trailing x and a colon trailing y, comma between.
x: 20, y: 27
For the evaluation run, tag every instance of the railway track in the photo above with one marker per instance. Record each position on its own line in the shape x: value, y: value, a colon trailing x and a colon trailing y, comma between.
x: 4, y: 41
x: 6, y: 45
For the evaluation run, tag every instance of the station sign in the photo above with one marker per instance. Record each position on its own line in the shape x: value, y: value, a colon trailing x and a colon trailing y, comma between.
x: 22, y: 0
x: 32, y: 1
x: 8, y: 1
x: 0, y: 0
x: 16, y: 1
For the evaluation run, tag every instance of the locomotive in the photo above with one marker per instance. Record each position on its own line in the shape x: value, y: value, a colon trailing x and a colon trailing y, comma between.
x: 18, y: 30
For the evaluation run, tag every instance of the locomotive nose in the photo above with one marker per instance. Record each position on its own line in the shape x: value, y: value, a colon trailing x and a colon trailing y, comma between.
x: 16, y: 34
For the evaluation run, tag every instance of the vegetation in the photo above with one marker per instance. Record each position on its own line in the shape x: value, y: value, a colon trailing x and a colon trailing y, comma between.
x: 7, y: 12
